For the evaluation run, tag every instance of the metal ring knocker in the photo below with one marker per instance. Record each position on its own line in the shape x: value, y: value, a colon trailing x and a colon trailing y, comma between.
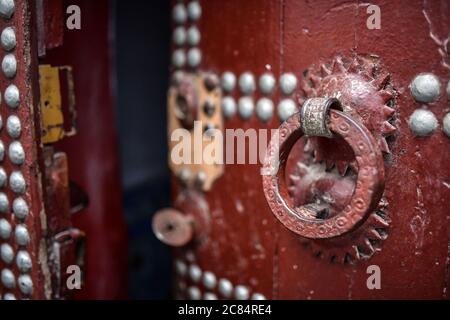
x: 317, y: 118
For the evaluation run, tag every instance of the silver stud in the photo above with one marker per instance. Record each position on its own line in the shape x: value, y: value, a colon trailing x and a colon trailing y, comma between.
x: 194, y: 57
x: 17, y: 182
x: 258, y: 296
x: 9, y: 297
x: 194, y: 10
x: 228, y: 107
x: 1, y: 119
x: 4, y: 203
x: 8, y: 39
x: 225, y: 288
x: 13, y: 126
x: 20, y: 208
x: 425, y: 88
x: 448, y: 90
x: 179, y: 36
x: 264, y: 109
x: 178, y: 58
x: 9, y: 66
x: 245, y: 106
x: 5, y: 229
x: 3, y: 177
x: 193, y: 36
x: 7, y: 253
x: 209, y: 280
x: 179, y: 14
x: 23, y: 261
x: 7, y: 8
x: 22, y: 235
x: 286, y: 108
x: 209, y: 296
x: 16, y: 153
x: 194, y: 293
x: 446, y: 124
x: 422, y: 123
x: 247, y: 83
x: 288, y: 83
x: 190, y: 256
x: 177, y: 77
x: 25, y: 284
x: 8, y: 279
x: 2, y: 151
x: 228, y: 81
x: 195, y: 273
x: 241, y: 293
x: 184, y: 175
x: 201, y: 177
x: 12, y: 96
x: 266, y: 83
x: 180, y: 267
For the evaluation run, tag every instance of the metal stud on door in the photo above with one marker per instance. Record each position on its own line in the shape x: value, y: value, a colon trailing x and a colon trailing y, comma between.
x: 346, y: 206
x: 24, y: 267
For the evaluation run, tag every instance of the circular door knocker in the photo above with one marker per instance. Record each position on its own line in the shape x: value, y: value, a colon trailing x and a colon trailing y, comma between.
x: 320, y: 117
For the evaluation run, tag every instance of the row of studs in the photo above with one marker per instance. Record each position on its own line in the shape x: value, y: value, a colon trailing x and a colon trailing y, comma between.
x: 209, y: 280
x: 17, y: 182
x: 264, y: 106
x: 426, y: 88
x: 192, y: 37
x: 180, y: 15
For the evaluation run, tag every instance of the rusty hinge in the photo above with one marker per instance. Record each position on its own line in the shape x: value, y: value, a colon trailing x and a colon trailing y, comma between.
x: 65, y: 243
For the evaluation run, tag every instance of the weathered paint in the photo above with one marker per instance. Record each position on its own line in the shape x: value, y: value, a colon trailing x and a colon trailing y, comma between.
x: 248, y: 246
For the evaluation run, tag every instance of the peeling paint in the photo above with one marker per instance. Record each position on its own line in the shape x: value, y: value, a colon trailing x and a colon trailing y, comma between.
x: 441, y: 43
x: 419, y: 222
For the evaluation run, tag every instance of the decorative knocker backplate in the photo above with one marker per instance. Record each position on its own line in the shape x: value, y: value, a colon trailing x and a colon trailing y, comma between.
x: 308, y: 220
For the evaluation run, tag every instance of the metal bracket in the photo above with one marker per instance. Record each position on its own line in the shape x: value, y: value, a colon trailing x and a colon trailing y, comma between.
x: 195, y: 111
x: 52, y: 123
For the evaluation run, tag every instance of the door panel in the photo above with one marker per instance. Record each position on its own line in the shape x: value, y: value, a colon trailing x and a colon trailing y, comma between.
x: 415, y: 252
x: 331, y: 51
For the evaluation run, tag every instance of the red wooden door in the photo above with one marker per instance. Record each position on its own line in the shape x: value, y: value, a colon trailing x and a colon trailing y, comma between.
x: 392, y: 78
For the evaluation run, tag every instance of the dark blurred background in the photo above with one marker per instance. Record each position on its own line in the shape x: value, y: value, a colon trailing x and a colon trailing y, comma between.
x: 142, y: 43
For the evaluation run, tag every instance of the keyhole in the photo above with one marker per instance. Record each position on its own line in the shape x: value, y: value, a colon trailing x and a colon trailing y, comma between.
x: 170, y: 227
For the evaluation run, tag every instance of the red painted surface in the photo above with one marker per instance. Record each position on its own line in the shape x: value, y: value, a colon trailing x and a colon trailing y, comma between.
x: 242, y: 243
x: 26, y: 81
x: 247, y: 245
x: 93, y: 152
x: 414, y: 258
x: 54, y: 23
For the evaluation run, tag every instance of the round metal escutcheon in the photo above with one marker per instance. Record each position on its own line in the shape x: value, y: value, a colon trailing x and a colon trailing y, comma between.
x: 172, y: 227
x: 306, y: 221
